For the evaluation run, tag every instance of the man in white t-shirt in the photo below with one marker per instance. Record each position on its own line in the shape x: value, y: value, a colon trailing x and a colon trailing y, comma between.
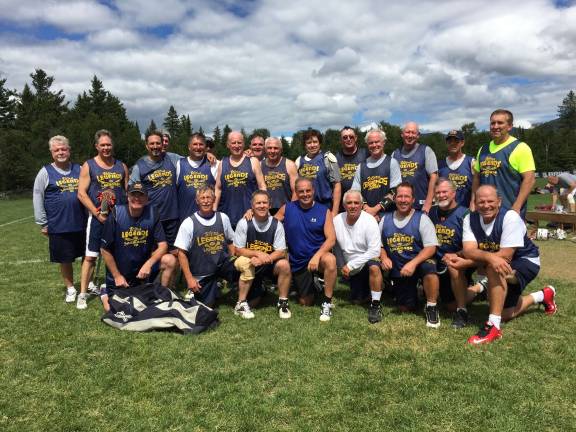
x: 495, y: 238
x: 261, y: 249
x: 358, y: 238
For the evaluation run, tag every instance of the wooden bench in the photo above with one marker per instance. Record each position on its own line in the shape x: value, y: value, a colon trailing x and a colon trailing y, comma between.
x: 536, y: 216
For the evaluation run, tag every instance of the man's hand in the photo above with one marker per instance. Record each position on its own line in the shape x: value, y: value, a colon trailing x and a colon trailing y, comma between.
x: 44, y: 230
x: 426, y: 207
x: 314, y: 263
x: 145, y: 271
x: 516, y: 208
x: 408, y: 269
x: 194, y: 285
x: 120, y: 281
x: 211, y: 159
x: 372, y: 210
x: 346, y: 271
x: 454, y: 261
x: 101, y: 218
x: 261, y: 258
x: 248, y: 215
x: 500, y: 265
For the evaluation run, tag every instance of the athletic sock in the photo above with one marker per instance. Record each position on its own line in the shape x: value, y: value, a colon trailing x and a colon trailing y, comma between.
x: 430, y: 304
x: 462, y: 309
x: 282, y: 298
x: 376, y: 295
x: 71, y: 288
x: 538, y: 296
x: 495, y: 320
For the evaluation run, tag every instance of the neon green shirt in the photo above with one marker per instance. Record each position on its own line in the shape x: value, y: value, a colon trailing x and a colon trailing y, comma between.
x: 521, y: 159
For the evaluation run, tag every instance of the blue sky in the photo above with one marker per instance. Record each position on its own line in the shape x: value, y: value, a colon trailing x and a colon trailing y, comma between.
x: 288, y: 65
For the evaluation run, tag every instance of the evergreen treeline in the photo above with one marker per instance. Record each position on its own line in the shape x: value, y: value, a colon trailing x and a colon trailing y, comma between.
x: 30, y: 117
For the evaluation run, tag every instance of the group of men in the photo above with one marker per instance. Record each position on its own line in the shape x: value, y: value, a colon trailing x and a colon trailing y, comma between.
x: 256, y: 215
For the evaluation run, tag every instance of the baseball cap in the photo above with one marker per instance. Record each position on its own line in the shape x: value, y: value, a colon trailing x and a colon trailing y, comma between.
x: 137, y: 187
x: 455, y: 134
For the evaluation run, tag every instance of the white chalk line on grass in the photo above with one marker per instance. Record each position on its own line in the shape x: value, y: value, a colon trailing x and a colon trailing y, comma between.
x: 21, y: 262
x: 16, y: 221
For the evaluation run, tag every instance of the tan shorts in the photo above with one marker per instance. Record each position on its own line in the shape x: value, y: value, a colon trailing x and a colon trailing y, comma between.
x: 246, y: 269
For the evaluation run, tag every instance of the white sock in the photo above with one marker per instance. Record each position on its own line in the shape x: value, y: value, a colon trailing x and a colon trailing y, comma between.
x: 495, y: 320
x: 430, y: 304
x: 538, y: 296
x: 71, y: 288
x: 462, y: 309
x: 376, y: 295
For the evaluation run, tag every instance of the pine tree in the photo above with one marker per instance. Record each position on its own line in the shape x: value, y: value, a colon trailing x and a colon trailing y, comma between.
x: 567, y: 111
x: 7, y: 106
x: 217, y: 136
x: 151, y: 127
x: 172, y: 122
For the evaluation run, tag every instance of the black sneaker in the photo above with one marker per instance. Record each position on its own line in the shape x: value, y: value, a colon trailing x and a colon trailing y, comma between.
x: 374, y: 312
x: 432, y: 316
x: 460, y: 319
x: 283, y: 309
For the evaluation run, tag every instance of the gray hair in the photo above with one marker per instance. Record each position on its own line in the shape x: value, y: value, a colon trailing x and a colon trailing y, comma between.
x: 351, y: 192
x: 58, y: 139
x: 100, y: 133
x: 272, y: 139
x: 446, y: 180
x: 379, y: 132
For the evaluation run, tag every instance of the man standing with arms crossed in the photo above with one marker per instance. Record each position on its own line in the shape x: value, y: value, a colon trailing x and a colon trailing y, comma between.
x: 99, y: 176
x: 279, y: 175
x: 349, y: 157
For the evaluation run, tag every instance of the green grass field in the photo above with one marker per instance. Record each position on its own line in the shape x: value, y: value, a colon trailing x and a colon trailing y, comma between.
x: 64, y: 370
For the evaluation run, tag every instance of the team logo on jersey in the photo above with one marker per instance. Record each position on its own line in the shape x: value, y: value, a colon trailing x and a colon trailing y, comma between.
x: 348, y: 170
x: 445, y: 234
x: 490, y: 166
x: 259, y: 245
x: 374, y: 182
x: 67, y: 184
x: 236, y: 178
x: 309, y: 171
x: 400, y: 243
x: 195, y: 179
x: 489, y: 246
x: 110, y: 180
x: 408, y: 168
x: 459, y: 180
x: 134, y: 236
x: 274, y: 180
x: 211, y: 242
x: 160, y: 178
x: 123, y: 316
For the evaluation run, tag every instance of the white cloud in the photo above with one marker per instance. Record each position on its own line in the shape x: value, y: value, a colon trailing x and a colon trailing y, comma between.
x: 304, y: 63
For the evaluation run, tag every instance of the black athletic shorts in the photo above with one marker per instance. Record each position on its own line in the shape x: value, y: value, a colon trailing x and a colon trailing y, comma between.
x: 66, y: 247
x: 360, y: 282
x: 170, y: 231
x: 526, y: 271
x: 404, y: 288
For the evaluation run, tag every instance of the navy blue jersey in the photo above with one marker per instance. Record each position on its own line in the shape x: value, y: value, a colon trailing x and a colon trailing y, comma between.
x: 316, y: 171
x: 375, y: 182
x: 64, y: 212
x: 209, y: 247
x: 159, y: 179
x: 402, y: 245
x: 277, y: 183
x: 461, y: 177
x: 103, y: 178
x: 261, y: 241
x: 348, y: 165
x: 304, y: 229
x: 237, y: 184
x: 188, y: 182
x: 448, y: 229
x: 131, y: 240
x: 496, y: 170
x: 413, y: 170
x: 491, y: 243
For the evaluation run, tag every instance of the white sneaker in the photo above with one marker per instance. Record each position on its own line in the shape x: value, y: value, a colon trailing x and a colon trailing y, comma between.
x: 93, y: 289
x: 283, y: 309
x: 326, y: 311
x: 81, y: 303
x: 243, y: 309
x: 70, y: 295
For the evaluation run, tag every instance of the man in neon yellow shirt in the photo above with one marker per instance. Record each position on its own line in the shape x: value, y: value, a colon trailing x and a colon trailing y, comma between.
x: 507, y: 163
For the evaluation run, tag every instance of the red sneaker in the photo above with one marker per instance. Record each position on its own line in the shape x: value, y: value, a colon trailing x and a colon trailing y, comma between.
x: 488, y: 333
x: 549, y: 303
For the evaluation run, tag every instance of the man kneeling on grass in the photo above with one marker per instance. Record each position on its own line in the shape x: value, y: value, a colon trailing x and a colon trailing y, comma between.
x: 359, y: 240
x: 134, y: 246
x: 310, y: 237
x: 496, y: 239
x: 261, y: 250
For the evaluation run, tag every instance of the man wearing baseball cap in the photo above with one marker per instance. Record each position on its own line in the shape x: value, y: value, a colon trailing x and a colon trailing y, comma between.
x: 133, y: 244
x: 457, y: 167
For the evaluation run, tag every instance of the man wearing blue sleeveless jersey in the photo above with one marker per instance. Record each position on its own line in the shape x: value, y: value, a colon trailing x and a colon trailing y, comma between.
x: 261, y: 249
x: 378, y: 176
x: 204, y: 243
x: 310, y: 237
x: 134, y: 246
x: 237, y: 178
x: 506, y: 163
x: 279, y: 174
x: 322, y: 169
x: 192, y: 173
x: 458, y: 168
x: 495, y: 238
x: 59, y: 213
x: 409, y: 246
x: 157, y: 172
x: 99, y: 174
x: 349, y: 158
x: 418, y: 165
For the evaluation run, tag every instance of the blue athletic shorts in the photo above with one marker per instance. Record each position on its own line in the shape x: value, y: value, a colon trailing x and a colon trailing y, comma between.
x: 404, y: 288
x: 360, y: 282
x: 66, y: 247
x: 526, y: 271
